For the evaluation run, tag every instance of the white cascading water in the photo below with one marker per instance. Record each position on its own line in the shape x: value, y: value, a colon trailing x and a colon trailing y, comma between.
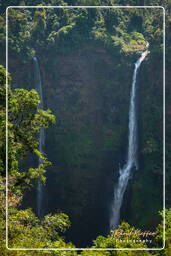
x: 38, y: 87
x: 125, y: 172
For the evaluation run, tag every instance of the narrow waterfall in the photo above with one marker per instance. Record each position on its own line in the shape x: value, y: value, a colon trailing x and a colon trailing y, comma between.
x: 38, y: 87
x: 131, y: 162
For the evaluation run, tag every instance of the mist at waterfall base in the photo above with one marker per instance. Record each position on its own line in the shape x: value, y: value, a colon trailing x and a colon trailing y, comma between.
x: 38, y: 87
x: 125, y: 173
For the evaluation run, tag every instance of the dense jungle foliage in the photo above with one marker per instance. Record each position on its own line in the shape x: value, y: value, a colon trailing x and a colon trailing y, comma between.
x: 86, y: 59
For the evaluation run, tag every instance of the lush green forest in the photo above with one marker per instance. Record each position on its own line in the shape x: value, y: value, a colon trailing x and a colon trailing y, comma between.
x: 86, y: 58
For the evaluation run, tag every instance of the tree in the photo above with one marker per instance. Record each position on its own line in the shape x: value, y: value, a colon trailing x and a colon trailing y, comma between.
x: 25, y: 120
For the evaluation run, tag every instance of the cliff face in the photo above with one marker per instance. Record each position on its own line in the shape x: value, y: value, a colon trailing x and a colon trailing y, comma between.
x: 147, y: 184
x: 88, y: 90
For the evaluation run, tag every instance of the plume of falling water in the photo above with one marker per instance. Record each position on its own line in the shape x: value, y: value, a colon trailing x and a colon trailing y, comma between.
x: 38, y: 87
x: 131, y: 162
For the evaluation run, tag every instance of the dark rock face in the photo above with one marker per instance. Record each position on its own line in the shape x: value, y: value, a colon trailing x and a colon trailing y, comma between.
x: 88, y: 90
x: 84, y: 90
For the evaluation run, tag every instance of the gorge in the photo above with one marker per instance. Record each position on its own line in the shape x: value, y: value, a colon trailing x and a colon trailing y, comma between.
x: 90, y: 98
x: 83, y: 73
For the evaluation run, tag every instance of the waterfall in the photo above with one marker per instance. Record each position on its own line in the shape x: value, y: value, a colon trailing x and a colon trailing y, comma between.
x: 131, y: 162
x: 38, y: 87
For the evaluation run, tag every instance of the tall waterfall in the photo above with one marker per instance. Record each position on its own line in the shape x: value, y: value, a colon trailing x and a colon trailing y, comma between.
x: 38, y: 87
x: 131, y: 162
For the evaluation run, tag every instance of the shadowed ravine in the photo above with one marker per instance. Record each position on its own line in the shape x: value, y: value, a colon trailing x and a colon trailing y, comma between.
x: 132, y: 162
